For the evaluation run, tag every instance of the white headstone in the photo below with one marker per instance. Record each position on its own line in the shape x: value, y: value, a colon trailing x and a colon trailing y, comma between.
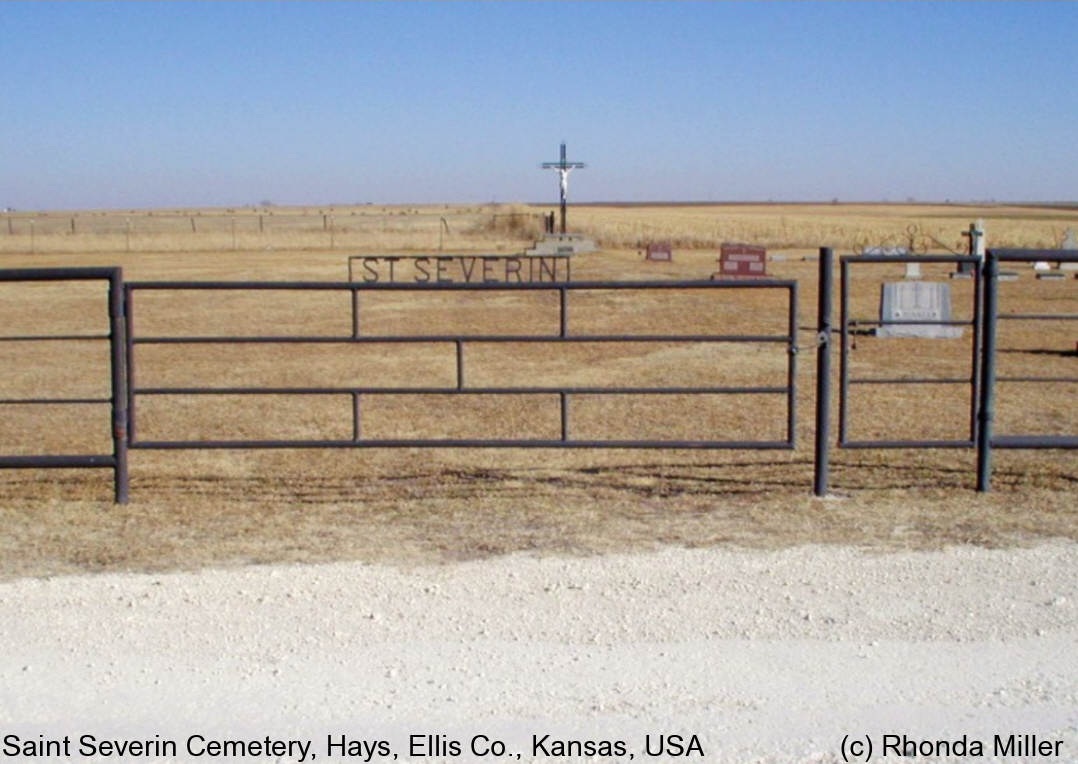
x: 887, y: 251
x: 1070, y: 241
x: 913, y: 270
x: 1042, y: 265
x: 916, y: 300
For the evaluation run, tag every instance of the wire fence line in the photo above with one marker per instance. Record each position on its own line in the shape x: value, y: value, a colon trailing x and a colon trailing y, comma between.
x: 261, y: 229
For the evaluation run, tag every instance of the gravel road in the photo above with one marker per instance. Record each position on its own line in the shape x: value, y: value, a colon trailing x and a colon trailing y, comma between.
x: 763, y: 656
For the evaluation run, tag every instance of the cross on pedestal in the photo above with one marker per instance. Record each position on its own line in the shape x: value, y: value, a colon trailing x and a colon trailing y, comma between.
x: 563, y: 167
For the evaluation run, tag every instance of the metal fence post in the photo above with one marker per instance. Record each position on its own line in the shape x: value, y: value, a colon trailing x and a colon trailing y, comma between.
x: 823, y: 372
x: 985, y: 412
x: 118, y: 362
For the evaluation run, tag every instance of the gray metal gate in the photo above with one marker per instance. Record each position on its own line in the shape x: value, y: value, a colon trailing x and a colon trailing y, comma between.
x: 116, y: 337
x: 981, y: 380
x: 460, y: 342
x: 987, y: 439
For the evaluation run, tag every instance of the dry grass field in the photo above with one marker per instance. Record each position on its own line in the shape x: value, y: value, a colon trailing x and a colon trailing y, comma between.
x: 502, y: 227
x: 227, y: 507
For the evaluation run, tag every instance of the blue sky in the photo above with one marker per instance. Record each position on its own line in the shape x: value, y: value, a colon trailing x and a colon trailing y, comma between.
x: 184, y: 104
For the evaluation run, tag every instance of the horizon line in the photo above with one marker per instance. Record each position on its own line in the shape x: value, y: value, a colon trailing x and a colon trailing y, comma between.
x: 1055, y: 204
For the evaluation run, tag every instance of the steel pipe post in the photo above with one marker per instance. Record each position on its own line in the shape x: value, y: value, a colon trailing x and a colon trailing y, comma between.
x: 823, y: 372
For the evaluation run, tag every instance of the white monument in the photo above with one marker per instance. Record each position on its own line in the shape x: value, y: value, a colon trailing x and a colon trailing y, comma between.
x: 916, y: 301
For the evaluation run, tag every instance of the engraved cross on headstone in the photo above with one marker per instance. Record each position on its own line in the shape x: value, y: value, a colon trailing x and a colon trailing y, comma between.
x: 563, y: 167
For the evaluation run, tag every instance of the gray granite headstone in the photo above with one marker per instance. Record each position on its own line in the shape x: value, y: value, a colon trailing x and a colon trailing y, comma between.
x: 886, y: 251
x: 975, y: 234
x: 916, y: 300
x: 562, y: 244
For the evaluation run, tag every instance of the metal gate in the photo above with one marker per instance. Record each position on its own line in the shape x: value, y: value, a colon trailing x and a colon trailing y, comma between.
x: 125, y: 396
x: 987, y: 439
x: 460, y: 342
x: 117, y: 460
x: 981, y: 379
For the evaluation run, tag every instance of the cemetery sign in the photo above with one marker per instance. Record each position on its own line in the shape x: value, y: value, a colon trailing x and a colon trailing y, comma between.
x: 459, y: 269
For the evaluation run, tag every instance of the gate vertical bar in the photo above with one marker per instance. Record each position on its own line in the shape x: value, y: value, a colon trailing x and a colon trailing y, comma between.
x: 791, y: 370
x: 989, y: 315
x: 117, y: 356
x: 129, y: 360
x: 563, y: 325
x: 823, y: 372
x: 978, y: 334
x: 844, y: 353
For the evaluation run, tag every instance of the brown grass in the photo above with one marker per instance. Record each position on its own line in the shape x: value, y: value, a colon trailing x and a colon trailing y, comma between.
x: 193, y: 509
x: 504, y: 227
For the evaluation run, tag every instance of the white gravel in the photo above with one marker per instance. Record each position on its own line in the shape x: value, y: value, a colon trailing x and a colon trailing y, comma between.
x: 765, y: 656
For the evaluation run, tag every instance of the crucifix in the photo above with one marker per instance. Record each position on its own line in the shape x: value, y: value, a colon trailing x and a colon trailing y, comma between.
x: 563, y: 167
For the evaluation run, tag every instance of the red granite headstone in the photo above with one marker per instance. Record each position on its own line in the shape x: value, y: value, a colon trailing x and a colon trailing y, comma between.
x: 742, y: 260
x: 659, y: 250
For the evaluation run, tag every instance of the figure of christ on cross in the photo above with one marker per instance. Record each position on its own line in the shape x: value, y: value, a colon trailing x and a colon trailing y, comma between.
x: 563, y: 167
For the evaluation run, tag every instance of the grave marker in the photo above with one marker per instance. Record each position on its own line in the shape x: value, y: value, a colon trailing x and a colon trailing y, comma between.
x: 1070, y: 244
x: 912, y: 301
x: 886, y: 251
x: 913, y: 270
x: 659, y: 251
x: 975, y: 234
x: 742, y: 260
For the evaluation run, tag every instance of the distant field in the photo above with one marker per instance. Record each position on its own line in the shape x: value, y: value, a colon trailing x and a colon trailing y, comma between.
x: 227, y: 507
x: 500, y: 228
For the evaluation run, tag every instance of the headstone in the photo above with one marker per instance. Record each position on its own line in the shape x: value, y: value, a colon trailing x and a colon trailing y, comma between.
x: 562, y: 244
x: 742, y: 260
x: 886, y: 251
x: 659, y: 251
x: 916, y: 300
x: 1008, y: 276
x: 975, y: 234
x: 1070, y: 245
x: 1052, y: 275
x: 1042, y: 265
x: 913, y: 270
